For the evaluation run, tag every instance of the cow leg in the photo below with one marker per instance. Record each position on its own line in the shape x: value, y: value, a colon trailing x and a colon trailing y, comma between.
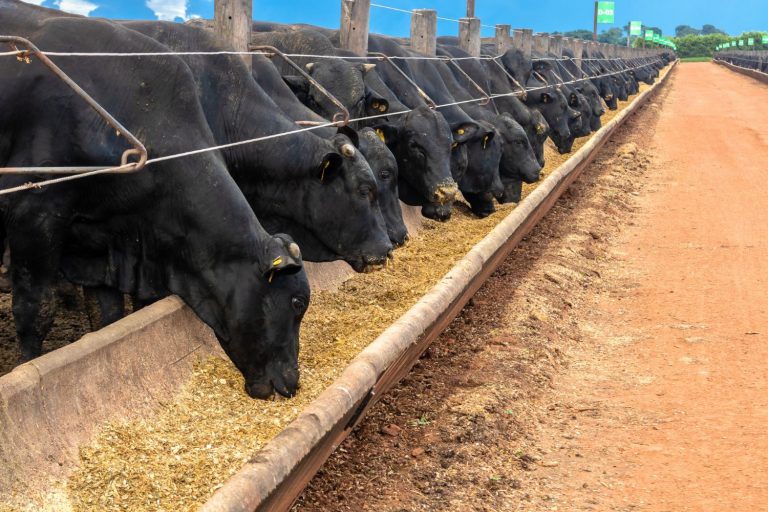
x: 35, y: 244
x: 34, y: 306
x: 103, y: 305
x: 5, y: 265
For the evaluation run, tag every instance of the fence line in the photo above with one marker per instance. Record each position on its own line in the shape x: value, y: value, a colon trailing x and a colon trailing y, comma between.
x: 40, y: 184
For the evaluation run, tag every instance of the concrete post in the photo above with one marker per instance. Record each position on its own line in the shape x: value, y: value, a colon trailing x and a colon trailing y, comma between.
x: 232, y: 24
x: 424, y: 31
x: 355, y: 16
x: 469, y: 36
x: 523, y: 41
x: 503, y: 41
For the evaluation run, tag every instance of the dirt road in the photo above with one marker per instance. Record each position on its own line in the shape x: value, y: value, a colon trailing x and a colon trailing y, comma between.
x: 618, y: 360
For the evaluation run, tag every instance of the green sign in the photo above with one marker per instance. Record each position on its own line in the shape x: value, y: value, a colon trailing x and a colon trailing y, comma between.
x: 605, y: 12
x: 751, y: 41
x: 741, y: 42
x: 649, y: 35
x: 635, y: 28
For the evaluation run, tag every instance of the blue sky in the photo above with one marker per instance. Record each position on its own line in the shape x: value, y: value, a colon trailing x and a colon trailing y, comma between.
x: 540, y: 15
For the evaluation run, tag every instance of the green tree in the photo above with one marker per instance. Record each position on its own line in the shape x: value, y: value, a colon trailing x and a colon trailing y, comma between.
x: 612, y: 36
x: 686, y: 30
x: 707, y: 30
x: 579, y: 34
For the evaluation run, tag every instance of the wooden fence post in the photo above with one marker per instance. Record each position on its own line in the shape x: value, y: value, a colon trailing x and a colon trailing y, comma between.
x: 424, y: 31
x: 355, y: 16
x: 232, y: 24
x: 541, y: 44
x: 523, y: 41
x: 577, y: 47
x: 556, y: 45
x: 503, y: 41
x: 469, y: 36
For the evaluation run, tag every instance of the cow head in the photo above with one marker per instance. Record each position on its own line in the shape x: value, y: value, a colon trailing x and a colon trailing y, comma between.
x: 482, y: 174
x: 345, y: 81
x: 421, y: 142
x: 384, y: 167
x: 519, y: 157
x: 255, y: 309
x: 592, y: 96
x: 333, y: 210
x: 553, y: 105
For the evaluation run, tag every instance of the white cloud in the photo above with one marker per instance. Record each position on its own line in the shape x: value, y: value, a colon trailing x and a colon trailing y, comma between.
x: 81, y: 7
x: 169, y: 10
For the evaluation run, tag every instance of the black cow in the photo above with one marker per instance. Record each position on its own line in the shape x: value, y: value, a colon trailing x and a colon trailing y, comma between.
x: 181, y: 226
x: 344, y: 80
x: 321, y: 192
x: 543, y: 95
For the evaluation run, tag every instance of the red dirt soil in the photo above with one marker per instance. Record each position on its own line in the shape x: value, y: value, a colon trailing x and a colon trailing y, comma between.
x: 617, y: 361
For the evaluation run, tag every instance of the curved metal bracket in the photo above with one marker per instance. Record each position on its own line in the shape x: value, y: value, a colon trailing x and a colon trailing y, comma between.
x: 431, y: 104
x: 340, y: 118
x: 523, y: 90
x: 25, y: 55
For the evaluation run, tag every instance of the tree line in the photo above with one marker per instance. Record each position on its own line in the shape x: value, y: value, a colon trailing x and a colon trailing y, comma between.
x: 690, y: 41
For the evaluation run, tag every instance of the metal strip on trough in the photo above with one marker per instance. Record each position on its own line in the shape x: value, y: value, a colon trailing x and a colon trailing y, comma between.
x: 753, y: 73
x: 273, y: 479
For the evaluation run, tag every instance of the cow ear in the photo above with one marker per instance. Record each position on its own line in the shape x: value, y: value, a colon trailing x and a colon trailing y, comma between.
x: 464, y: 132
x: 330, y: 167
x: 375, y: 105
x: 546, y: 98
x: 387, y: 132
x: 488, y: 137
x: 280, y: 254
x: 298, y: 84
x: 350, y: 134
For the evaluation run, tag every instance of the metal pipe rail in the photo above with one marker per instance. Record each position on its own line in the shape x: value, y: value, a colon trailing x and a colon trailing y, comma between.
x: 138, y: 150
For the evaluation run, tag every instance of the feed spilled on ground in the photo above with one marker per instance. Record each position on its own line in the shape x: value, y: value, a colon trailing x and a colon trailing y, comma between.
x: 176, y: 458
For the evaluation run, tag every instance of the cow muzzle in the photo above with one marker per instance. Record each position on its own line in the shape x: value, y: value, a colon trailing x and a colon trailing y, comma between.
x: 445, y: 193
x: 284, y: 382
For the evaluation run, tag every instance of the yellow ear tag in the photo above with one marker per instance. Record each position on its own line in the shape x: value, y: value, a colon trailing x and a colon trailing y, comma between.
x: 485, y: 141
x: 271, y: 275
x: 380, y: 133
x: 454, y: 145
x: 460, y: 131
x: 322, y: 174
x: 277, y: 261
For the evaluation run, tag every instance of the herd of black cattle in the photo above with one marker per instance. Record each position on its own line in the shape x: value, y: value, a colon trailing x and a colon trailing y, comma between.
x: 227, y: 230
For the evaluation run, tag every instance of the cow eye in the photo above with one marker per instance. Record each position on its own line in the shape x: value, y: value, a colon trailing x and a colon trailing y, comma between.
x: 365, y: 190
x: 299, y: 304
x: 385, y: 174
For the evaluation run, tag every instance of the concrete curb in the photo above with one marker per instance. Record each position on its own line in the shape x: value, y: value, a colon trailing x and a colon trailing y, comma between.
x: 275, y: 476
x: 752, y: 73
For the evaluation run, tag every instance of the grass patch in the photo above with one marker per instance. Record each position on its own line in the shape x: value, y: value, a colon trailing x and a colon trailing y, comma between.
x: 696, y: 59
